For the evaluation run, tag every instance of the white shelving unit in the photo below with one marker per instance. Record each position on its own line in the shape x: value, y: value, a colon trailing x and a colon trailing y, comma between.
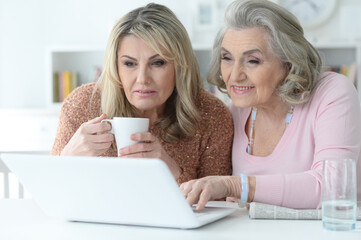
x: 83, y: 59
x: 80, y: 59
x: 342, y: 53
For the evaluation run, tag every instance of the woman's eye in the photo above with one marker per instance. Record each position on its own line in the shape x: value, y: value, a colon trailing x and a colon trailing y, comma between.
x: 128, y: 64
x: 253, y: 61
x: 225, y: 58
x: 159, y: 63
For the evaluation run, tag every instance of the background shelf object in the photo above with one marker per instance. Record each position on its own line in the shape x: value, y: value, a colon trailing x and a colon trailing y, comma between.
x: 63, y: 84
x: 342, y: 57
x: 87, y: 63
x: 84, y: 62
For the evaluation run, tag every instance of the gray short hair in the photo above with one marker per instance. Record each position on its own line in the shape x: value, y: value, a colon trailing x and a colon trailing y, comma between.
x: 286, y: 39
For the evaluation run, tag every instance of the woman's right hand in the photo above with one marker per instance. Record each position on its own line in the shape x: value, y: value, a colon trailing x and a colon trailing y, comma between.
x: 200, y: 191
x: 91, y: 139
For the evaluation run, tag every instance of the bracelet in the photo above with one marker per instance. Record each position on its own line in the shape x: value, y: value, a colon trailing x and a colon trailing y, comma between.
x: 245, y: 189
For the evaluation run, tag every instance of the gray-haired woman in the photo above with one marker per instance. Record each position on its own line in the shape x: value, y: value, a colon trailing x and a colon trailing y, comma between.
x: 150, y: 71
x: 288, y: 115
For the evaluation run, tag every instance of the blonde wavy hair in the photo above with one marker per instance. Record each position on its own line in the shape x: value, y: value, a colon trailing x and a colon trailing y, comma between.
x: 285, y: 38
x: 160, y: 29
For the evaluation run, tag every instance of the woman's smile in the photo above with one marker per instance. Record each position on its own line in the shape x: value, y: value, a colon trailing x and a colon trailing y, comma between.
x: 241, y: 89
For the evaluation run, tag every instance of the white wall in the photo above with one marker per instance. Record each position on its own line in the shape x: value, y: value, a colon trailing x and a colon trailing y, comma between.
x: 2, y: 56
x: 27, y: 27
x: 334, y: 29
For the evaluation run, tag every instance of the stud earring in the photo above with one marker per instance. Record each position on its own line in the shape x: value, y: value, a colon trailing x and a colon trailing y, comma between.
x: 220, y: 77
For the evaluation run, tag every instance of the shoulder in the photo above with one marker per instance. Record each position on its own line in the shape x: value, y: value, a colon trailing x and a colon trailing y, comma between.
x: 82, y: 99
x: 334, y: 94
x: 212, y: 109
x: 332, y: 87
x: 208, y: 103
x: 331, y: 80
x: 82, y: 93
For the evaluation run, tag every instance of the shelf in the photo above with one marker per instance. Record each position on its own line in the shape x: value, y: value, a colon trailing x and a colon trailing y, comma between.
x: 82, y: 59
x: 344, y: 44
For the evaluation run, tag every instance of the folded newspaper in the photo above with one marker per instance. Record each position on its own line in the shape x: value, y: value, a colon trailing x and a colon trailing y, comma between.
x: 266, y: 211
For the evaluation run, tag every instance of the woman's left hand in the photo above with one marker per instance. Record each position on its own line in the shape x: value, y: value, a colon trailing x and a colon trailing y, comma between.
x: 149, y: 147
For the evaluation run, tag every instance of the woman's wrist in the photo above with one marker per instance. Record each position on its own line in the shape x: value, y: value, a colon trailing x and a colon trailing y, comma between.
x: 252, y: 188
x: 233, y: 186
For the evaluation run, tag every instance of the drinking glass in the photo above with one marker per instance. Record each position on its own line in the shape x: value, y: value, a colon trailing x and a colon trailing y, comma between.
x: 339, y: 194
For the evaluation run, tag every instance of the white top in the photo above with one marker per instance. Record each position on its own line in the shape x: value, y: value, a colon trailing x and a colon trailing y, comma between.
x: 22, y: 219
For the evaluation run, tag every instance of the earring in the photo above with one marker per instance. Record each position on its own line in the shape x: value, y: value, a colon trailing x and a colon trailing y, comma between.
x: 220, y: 77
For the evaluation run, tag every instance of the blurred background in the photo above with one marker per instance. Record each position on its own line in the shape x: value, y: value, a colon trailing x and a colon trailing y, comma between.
x: 29, y: 29
x: 49, y: 47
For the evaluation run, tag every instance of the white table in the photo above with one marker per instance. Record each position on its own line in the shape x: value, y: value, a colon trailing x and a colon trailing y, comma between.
x: 23, y: 219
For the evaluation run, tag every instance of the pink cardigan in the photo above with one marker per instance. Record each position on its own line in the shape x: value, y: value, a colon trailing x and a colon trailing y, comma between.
x: 327, y: 126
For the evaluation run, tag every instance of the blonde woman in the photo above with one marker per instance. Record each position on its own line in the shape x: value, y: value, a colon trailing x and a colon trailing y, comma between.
x: 288, y: 115
x: 150, y: 71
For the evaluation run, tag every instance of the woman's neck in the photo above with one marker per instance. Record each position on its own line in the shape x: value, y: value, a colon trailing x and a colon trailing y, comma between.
x: 154, y: 115
x: 274, y: 110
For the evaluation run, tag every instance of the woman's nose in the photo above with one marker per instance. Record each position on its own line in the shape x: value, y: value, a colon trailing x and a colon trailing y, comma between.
x: 237, y: 74
x: 143, y: 76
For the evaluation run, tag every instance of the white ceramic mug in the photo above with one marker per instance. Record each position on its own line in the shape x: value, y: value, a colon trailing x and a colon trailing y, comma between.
x: 123, y: 127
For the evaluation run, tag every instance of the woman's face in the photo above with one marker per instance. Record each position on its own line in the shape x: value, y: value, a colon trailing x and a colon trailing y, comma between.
x: 250, y: 70
x: 147, y: 78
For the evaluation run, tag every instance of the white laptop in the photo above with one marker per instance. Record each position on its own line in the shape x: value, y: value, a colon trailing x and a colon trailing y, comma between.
x: 108, y: 190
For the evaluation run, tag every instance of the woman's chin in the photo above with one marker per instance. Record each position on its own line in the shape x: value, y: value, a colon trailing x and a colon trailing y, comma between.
x: 146, y: 107
x: 240, y: 103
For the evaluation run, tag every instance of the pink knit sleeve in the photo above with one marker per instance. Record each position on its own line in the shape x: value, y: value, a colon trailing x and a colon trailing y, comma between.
x: 296, y: 190
x: 336, y: 133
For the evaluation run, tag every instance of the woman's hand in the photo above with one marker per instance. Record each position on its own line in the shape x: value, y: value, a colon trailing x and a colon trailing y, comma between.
x: 91, y: 139
x: 149, y: 147
x: 211, y: 188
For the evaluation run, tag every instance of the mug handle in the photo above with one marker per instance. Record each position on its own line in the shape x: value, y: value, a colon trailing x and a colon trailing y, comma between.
x: 111, y: 124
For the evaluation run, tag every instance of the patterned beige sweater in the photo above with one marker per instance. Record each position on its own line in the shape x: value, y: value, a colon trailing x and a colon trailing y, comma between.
x: 206, y: 153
